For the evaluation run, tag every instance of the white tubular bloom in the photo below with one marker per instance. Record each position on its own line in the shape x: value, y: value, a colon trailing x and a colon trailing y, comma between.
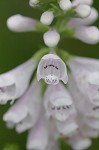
x: 65, y: 4
x: 14, y: 83
x: 33, y: 3
x: 82, y: 101
x: 78, y: 2
x: 75, y: 22
x: 19, y: 23
x: 89, y: 35
x: 51, y: 38
x: 38, y: 136
x: 58, y: 102
x: 88, y: 79
x: 25, y: 112
x: 79, y: 142
x: 83, y: 10
x: 51, y: 68
x: 47, y: 17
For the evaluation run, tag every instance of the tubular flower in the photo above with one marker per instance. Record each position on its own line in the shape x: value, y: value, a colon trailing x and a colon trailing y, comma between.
x: 58, y: 102
x: 14, y: 83
x: 51, y: 68
x: 85, y: 72
x: 31, y: 104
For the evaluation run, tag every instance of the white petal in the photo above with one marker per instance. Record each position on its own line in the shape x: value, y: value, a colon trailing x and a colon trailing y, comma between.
x: 15, y: 114
x: 19, y: 23
x: 65, y: 4
x: 83, y: 10
x: 51, y: 38
x: 79, y: 142
x: 26, y: 110
x: 67, y: 127
x: 15, y: 82
x: 47, y: 17
x: 89, y: 35
x: 38, y: 136
x: 58, y: 102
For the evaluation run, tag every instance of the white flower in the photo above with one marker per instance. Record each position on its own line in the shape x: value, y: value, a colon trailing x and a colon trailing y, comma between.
x: 89, y: 35
x: 51, y: 38
x: 82, y: 30
x: 33, y: 3
x: 85, y: 73
x: 58, y: 102
x: 65, y: 4
x: 19, y: 23
x: 83, y: 10
x: 78, y: 2
x: 79, y: 142
x: 52, y: 69
x: 14, y: 83
x: 47, y: 17
x: 82, y: 102
x: 39, y: 135
x: 25, y: 112
x: 75, y: 22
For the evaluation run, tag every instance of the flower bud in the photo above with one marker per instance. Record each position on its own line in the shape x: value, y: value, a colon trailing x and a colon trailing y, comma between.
x: 65, y: 4
x: 19, y: 23
x: 83, y: 10
x: 78, y: 2
x: 33, y: 3
x: 51, y: 38
x: 89, y: 35
x: 47, y: 17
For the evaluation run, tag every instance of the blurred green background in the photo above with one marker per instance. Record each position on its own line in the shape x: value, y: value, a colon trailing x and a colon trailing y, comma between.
x: 15, y: 48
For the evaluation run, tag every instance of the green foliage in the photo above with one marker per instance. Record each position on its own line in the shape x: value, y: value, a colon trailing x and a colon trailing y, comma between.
x: 11, y: 147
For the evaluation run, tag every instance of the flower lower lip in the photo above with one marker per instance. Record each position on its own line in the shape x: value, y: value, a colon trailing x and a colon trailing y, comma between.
x: 61, y: 117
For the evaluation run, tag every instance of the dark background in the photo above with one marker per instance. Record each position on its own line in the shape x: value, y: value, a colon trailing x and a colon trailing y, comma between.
x: 15, y: 48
